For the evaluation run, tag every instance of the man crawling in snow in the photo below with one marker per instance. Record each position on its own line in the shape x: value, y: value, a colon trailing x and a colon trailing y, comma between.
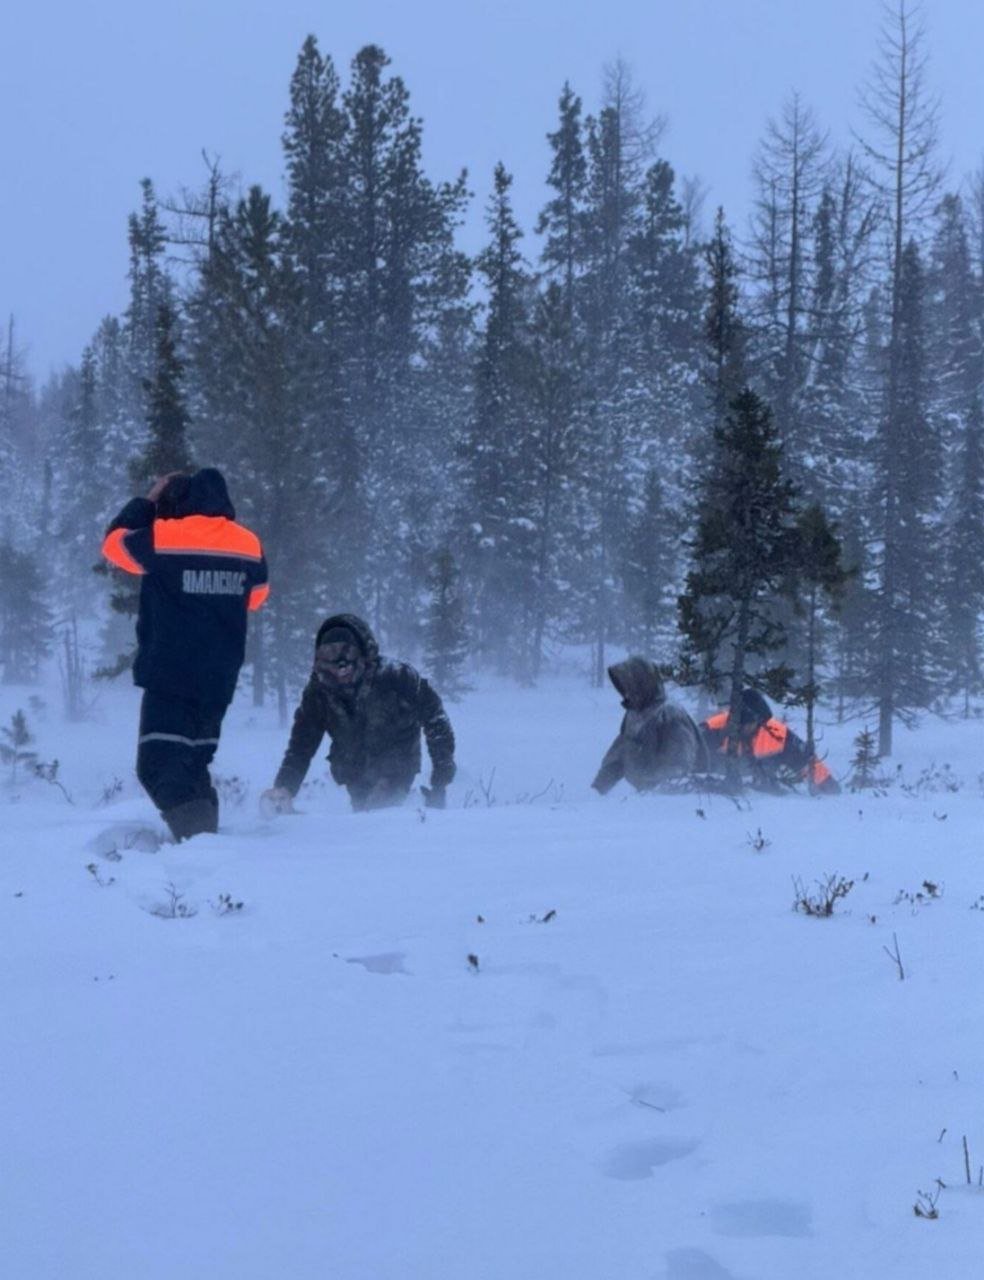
x: 768, y: 751
x: 658, y: 741
x: 373, y: 710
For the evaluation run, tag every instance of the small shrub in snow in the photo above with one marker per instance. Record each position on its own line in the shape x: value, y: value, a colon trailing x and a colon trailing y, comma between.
x: 15, y: 749
x: 758, y: 842
x: 224, y: 905
x: 929, y: 891
x: 864, y: 774
x: 232, y: 791
x: 110, y: 792
x: 895, y: 955
x: 828, y: 893
x: 926, y: 1202
x: 473, y: 962
x: 933, y: 780
x: 47, y: 771
x: 484, y: 796
x: 175, y: 908
x: 552, y: 791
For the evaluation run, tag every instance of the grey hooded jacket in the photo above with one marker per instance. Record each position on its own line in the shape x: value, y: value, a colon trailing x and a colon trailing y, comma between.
x: 658, y: 740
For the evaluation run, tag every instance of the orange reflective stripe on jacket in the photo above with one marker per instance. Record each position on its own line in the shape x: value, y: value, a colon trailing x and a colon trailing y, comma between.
x: 258, y: 595
x: 819, y: 773
x: 116, y: 553
x: 206, y: 535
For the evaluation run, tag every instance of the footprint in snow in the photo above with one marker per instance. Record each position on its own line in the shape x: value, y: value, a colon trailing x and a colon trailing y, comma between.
x: 694, y: 1264
x: 386, y: 962
x: 632, y: 1161
x: 762, y: 1218
x: 115, y: 840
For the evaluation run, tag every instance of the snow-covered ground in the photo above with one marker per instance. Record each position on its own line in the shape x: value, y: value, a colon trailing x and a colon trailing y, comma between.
x: 539, y: 1035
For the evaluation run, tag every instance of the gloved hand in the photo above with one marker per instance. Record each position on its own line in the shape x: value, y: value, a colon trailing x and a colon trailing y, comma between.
x: 434, y: 797
x: 276, y: 800
x: 160, y: 484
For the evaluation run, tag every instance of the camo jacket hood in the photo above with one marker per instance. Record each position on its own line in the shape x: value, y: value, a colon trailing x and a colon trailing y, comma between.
x: 638, y: 682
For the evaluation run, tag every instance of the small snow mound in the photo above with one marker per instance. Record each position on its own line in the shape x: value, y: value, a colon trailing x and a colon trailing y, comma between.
x: 114, y: 841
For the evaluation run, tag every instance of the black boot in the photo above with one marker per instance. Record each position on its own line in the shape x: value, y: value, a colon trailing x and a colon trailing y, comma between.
x: 193, y: 818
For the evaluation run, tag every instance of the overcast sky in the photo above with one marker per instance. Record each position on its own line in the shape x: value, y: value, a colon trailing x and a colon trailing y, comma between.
x: 95, y: 94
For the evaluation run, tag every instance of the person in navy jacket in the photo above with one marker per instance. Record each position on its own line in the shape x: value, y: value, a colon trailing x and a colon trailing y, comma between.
x: 201, y: 573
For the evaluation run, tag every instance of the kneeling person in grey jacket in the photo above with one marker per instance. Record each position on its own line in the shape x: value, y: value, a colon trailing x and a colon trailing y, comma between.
x: 373, y: 710
x: 658, y: 741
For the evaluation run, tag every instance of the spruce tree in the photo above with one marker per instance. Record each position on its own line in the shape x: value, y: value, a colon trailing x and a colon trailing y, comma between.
x: 25, y: 615
x: 725, y: 333
x: 399, y: 256
x: 837, y: 409
x: 245, y: 318
x: 906, y: 662
x: 561, y: 378
x: 664, y: 398
x: 744, y: 554
x: 150, y: 287
x: 864, y: 763
x: 619, y: 145
x: 316, y: 240
x: 497, y: 497
x: 855, y: 622
x: 665, y: 332
x: 551, y: 456
x: 16, y: 431
x: 446, y: 639
x: 650, y: 567
x: 964, y: 586
x: 81, y: 514
x: 954, y: 337
x: 15, y: 745
x: 313, y: 141
x: 901, y: 147
x: 561, y: 220
x: 167, y: 414
x: 789, y: 173
x: 819, y: 579
x: 165, y: 450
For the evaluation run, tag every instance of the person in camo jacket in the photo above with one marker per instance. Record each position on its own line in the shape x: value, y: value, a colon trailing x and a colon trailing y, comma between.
x: 373, y: 709
x: 657, y: 741
x: 200, y: 574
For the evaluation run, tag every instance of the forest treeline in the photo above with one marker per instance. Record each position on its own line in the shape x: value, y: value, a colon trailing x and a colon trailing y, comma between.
x: 496, y: 457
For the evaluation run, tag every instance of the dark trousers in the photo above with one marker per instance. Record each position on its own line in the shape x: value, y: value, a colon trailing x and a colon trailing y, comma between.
x: 178, y: 739
x: 384, y: 793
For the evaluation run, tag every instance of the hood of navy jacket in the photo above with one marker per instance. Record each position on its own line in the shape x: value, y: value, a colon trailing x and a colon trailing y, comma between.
x: 202, y: 494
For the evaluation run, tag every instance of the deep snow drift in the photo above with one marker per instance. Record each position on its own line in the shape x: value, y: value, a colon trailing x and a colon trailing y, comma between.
x: 393, y: 1062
